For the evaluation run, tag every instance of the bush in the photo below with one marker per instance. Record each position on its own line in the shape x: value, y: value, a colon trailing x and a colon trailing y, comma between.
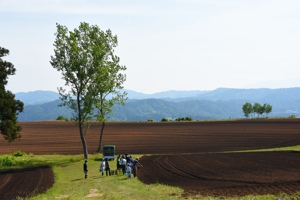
x: 292, y: 116
x: 183, y: 119
x: 60, y: 118
x: 164, y: 119
x: 179, y: 119
x: 18, y: 153
x: 188, y: 119
x: 150, y: 120
x: 7, y: 161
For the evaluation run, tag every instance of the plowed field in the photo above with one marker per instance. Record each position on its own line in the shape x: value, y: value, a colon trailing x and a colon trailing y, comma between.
x: 230, y: 174
x: 234, y: 174
x: 25, y: 182
x: 157, y: 138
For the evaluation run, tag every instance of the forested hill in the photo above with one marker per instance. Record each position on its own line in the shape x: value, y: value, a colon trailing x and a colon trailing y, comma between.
x: 222, y: 94
x: 142, y: 110
x: 156, y: 109
x: 221, y: 103
x: 262, y: 94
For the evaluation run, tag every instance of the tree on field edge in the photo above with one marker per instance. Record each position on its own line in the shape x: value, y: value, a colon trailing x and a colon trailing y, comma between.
x: 9, y: 107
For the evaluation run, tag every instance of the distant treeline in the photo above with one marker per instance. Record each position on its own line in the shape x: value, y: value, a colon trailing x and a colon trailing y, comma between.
x: 248, y: 109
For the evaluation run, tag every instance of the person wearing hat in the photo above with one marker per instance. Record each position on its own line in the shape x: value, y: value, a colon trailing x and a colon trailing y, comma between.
x: 85, y: 170
x: 135, y: 166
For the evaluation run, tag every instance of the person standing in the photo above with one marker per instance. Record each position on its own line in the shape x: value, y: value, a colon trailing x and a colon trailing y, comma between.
x: 85, y: 169
x: 127, y: 157
x: 107, y: 168
x: 102, y: 166
x: 129, y: 170
x: 118, y: 164
x: 123, y: 164
x: 131, y: 159
x: 135, y: 166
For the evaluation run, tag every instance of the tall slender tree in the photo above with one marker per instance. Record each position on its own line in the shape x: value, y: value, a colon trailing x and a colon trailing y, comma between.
x: 262, y: 109
x: 247, y: 109
x: 256, y: 108
x: 9, y: 107
x: 77, y: 55
x: 268, y: 109
x: 109, y: 82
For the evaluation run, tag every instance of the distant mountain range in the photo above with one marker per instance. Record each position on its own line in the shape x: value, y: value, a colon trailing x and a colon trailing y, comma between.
x: 221, y: 103
x: 39, y: 96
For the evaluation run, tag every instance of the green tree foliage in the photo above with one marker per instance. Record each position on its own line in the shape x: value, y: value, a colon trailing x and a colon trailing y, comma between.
x: 262, y: 109
x: 188, y: 119
x: 9, y: 107
x: 256, y: 108
x: 268, y: 109
x: 179, y: 119
x: 183, y: 119
x: 247, y: 109
x: 164, y: 120
x: 109, y: 78
x: 77, y: 57
x: 61, y: 118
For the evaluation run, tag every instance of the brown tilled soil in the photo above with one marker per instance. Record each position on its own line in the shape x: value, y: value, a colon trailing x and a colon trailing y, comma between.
x: 209, y: 174
x: 25, y: 182
x: 157, y: 138
x: 230, y: 174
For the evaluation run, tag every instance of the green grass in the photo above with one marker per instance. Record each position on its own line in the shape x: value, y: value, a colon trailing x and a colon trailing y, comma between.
x: 70, y: 182
x: 292, y: 148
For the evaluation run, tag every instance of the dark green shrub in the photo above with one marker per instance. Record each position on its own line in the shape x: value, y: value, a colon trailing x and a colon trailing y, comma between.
x: 183, y: 119
x: 188, y: 119
x: 164, y: 119
x: 60, y: 118
x: 18, y: 153
x: 292, y: 116
x: 150, y: 120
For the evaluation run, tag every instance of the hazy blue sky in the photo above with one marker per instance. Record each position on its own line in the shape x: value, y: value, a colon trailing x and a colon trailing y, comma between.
x: 166, y: 44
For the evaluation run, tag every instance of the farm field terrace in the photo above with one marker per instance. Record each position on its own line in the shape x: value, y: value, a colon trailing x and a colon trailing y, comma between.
x: 194, y: 165
x: 50, y: 137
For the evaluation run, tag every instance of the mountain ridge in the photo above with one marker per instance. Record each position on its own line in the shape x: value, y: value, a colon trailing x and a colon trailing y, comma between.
x: 222, y: 103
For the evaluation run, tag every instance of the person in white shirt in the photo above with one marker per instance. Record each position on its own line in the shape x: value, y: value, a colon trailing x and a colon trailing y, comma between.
x: 102, y: 166
x: 123, y: 164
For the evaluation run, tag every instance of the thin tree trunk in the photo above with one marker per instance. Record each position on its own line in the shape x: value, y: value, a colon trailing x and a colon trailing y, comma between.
x: 101, y: 136
x: 85, y: 151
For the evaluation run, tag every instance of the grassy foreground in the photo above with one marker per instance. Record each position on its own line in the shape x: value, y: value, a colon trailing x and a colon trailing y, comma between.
x: 70, y: 182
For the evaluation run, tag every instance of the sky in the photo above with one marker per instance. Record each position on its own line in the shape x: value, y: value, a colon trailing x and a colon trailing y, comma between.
x: 166, y: 44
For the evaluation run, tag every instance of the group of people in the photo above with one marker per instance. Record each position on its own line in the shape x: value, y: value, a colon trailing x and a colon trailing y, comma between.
x: 128, y: 165
x: 124, y: 163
